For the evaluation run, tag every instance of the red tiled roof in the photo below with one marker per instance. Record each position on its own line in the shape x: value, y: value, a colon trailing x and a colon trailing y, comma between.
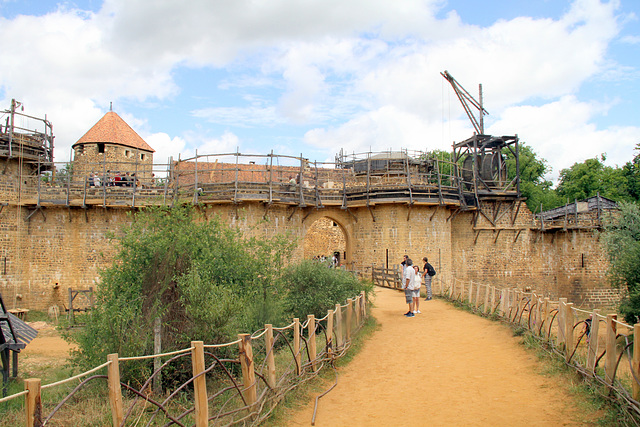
x: 112, y: 129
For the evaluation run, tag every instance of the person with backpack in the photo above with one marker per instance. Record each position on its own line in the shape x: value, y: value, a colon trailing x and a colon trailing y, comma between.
x: 429, y: 272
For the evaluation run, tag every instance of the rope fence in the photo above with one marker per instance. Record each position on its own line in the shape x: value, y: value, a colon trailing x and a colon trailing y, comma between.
x: 228, y: 389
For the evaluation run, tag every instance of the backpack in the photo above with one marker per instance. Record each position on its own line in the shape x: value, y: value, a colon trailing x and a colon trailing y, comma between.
x: 430, y: 270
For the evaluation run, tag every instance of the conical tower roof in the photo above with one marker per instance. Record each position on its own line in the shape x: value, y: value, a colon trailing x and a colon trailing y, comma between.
x: 112, y: 129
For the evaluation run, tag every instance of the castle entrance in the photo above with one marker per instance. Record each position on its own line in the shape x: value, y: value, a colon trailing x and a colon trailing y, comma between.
x: 325, y: 237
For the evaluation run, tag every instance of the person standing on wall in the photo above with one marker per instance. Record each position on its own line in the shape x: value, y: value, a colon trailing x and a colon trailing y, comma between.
x: 407, y: 285
x: 428, y: 273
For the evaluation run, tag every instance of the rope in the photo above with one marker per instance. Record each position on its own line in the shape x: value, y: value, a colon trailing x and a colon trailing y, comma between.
x: 76, y: 377
x: 153, y: 356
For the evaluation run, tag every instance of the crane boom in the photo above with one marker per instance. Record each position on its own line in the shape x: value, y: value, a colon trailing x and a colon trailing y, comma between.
x: 467, y: 100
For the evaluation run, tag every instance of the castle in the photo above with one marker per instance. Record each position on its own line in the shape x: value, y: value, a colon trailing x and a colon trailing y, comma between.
x: 466, y: 214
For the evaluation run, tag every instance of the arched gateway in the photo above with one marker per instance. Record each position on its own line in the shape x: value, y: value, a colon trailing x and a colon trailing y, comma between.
x: 462, y: 213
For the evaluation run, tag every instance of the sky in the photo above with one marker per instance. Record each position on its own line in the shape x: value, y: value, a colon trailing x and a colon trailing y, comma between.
x: 313, y: 77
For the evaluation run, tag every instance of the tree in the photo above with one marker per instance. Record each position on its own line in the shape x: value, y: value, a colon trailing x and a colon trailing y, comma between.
x: 631, y: 172
x: 587, y: 179
x: 533, y: 185
x: 622, y: 241
x: 202, y: 278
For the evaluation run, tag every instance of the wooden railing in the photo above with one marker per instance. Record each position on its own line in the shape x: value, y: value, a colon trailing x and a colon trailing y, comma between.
x: 227, y: 389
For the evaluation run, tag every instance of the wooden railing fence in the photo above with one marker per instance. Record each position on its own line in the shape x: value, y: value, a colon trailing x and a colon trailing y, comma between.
x: 267, y: 364
x: 597, y: 345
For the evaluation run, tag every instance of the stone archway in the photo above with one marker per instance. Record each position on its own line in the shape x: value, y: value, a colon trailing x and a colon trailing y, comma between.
x: 324, y: 237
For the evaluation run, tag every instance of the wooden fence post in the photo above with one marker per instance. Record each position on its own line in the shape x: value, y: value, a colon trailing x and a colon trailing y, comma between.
x: 349, y: 318
x: 610, y: 356
x: 486, y: 300
x: 329, y: 332
x: 470, y: 293
x: 115, y: 391
x: 311, y: 328
x: 296, y: 345
x: 452, y: 289
x: 477, y: 304
x: 503, y: 297
x: 199, y: 384
x: 538, y: 315
x: 356, y: 308
x: 635, y: 366
x: 593, y: 341
x: 561, y: 321
x: 338, y: 326
x: 33, y: 402
x: 492, y: 308
x: 363, y: 296
x: 248, y: 374
x: 568, y: 331
x: 271, y: 360
x: 547, y: 316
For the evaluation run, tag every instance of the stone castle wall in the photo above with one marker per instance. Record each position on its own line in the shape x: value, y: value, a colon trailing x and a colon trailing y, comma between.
x: 46, y: 251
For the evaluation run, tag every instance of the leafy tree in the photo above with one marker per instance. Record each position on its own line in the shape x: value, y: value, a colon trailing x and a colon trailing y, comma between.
x: 586, y: 179
x: 202, y: 278
x: 533, y: 184
x: 622, y: 240
x: 631, y: 171
x: 312, y: 288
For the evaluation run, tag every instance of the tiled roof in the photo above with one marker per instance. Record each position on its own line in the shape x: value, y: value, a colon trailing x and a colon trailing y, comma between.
x: 112, y: 129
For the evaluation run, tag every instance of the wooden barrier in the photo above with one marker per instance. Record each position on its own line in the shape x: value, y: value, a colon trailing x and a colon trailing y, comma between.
x: 296, y: 345
x: 311, y: 328
x: 33, y: 402
x: 610, y: 355
x: 200, y: 384
x: 115, y: 391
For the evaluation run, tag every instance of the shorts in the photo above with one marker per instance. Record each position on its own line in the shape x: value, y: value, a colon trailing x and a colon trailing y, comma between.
x: 416, y: 293
x: 408, y: 296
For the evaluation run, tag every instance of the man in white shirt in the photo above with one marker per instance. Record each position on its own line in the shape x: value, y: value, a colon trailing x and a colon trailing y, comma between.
x: 407, y: 285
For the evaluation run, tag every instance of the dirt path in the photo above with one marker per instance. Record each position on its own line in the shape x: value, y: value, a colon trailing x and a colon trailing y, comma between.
x: 442, y: 367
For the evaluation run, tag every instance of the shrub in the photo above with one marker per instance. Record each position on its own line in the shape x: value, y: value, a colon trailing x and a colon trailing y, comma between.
x: 313, y: 288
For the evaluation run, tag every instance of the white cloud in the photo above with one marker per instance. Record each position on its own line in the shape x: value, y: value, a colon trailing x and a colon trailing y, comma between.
x: 563, y: 133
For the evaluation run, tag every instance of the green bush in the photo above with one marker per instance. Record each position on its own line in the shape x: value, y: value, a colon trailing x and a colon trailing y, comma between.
x: 313, y: 288
x: 203, y: 279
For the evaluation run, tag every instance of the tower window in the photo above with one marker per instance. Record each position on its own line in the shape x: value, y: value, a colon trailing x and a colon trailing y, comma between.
x: 100, y: 147
x: 142, y: 156
x: 127, y: 153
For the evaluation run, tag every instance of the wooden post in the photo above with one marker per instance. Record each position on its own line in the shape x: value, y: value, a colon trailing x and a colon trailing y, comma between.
x: 470, y: 293
x: 486, y: 299
x: 199, y: 384
x: 249, y: 390
x: 115, y: 391
x: 561, y: 316
x: 477, y: 304
x: 610, y: 356
x: 356, y: 309
x: 635, y: 365
x: 157, y: 349
x: 592, y: 354
x: 311, y: 328
x: 70, y: 316
x: 452, y: 289
x: 329, y: 332
x: 493, y: 300
x: 338, y: 326
x: 363, y: 295
x: 349, y: 318
x: 271, y: 360
x: 568, y: 334
x: 33, y: 402
x: 503, y: 298
x: 547, y: 316
x: 538, y: 315
x: 296, y: 345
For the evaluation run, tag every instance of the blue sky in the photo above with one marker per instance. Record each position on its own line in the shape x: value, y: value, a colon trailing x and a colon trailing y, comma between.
x: 315, y: 76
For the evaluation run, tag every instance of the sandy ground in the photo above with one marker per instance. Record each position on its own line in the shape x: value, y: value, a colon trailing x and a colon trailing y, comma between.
x: 443, y: 367
x: 47, y: 351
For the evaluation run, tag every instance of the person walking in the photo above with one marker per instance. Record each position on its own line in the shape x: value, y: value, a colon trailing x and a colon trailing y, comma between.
x: 407, y: 285
x: 428, y: 272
